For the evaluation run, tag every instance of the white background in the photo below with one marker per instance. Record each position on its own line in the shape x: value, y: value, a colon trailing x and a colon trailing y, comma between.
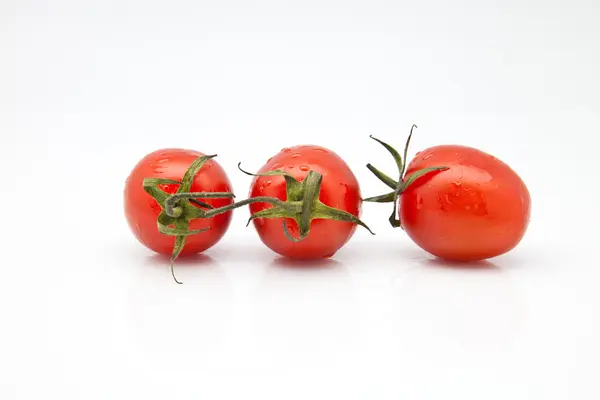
x: 88, y: 88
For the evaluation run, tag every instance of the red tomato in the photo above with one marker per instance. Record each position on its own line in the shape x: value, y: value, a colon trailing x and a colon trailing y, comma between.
x: 339, y: 189
x: 141, y: 210
x: 477, y: 209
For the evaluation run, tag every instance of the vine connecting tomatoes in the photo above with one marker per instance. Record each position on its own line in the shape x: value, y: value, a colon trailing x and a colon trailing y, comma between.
x: 457, y: 202
x: 180, y: 202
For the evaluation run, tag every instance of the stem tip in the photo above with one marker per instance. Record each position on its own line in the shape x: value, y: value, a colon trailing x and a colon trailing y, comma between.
x: 173, y: 273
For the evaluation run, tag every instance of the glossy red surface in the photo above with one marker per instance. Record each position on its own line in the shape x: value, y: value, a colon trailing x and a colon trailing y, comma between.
x: 479, y: 208
x: 142, y: 210
x: 339, y: 189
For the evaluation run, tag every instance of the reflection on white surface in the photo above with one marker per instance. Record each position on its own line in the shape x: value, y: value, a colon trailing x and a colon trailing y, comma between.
x: 87, y: 88
x: 179, y: 319
x: 466, y: 307
x: 305, y: 311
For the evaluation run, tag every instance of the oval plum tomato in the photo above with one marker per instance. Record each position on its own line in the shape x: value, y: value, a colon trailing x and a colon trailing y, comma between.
x: 479, y: 208
x: 335, y: 209
x: 142, y: 210
x: 466, y: 206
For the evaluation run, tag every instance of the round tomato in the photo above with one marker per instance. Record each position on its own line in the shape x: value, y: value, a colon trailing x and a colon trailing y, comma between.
x: 142, y: 210
x: 475, y: 209
x: 339, y: 190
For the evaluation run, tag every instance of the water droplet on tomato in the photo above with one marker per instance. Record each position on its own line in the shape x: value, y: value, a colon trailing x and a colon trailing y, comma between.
x: 286, y: 150
x: 266, y: 183
x: 456, y: 183
x: 428, y: 156
x: 276, y: 166
x: 303, y: 168
x: 419, y: 201
x: 321, y: 150
x: 269, y: 160
x: 467, y: 208
x: 296, y: 155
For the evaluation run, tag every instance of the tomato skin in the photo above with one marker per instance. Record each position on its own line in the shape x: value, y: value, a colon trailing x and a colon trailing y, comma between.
x: 479, y: 208
x: 339, y: 189
x: 141, y: 210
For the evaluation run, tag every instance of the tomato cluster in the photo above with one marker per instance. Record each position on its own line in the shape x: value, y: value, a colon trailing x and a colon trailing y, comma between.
x: 455, y: 202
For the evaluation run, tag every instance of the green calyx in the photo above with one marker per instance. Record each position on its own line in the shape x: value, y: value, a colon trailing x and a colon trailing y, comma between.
x: 302, y: 204
x: 179, y: 209
x: 403, y: 181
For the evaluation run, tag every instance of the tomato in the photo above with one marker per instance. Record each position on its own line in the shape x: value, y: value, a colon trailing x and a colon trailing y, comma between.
x: 477, y: 208
x: 456, y: 202
x: 142, y: 210
x: 339, y: 189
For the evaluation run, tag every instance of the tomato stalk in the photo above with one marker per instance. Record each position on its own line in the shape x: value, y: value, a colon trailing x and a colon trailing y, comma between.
x: 403, y: 181
x: 302, y: 204
x: 180, y: 209
x: 304, y: 196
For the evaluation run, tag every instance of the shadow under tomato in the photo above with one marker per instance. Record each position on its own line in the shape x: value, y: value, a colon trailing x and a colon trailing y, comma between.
x: 192, y: 260
x: 293, y: 263
x: 463, y: 265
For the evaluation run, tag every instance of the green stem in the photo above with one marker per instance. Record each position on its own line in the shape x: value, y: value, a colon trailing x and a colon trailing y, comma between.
x: 389, y: 182
x: 384, y: 198
x: 201, y: 204
x: 406, y: 152
x: 171, y: 201
x: 403, y: 182
x: 289, y: 206
x: 393, y: 152
x: 312, y: 187
x: 289, y: 236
